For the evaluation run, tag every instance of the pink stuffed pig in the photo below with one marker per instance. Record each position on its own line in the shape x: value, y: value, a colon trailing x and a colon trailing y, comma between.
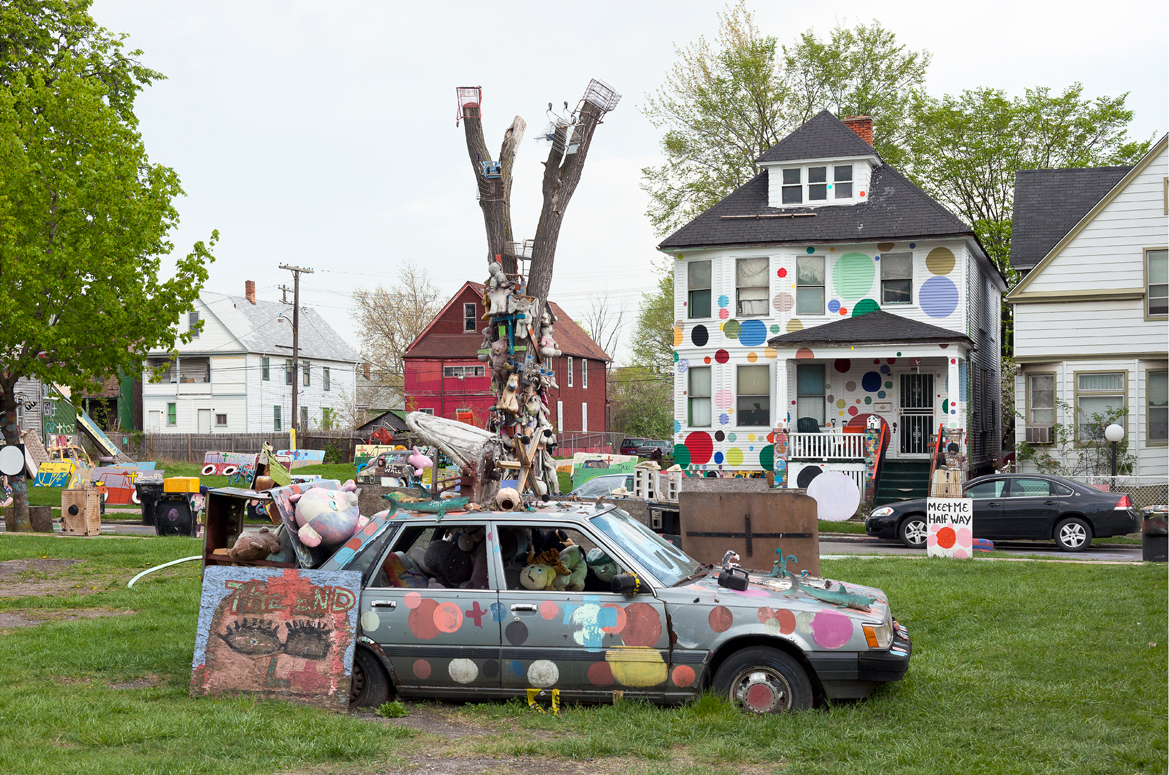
x: 419, y: 461
x: 328, y: 517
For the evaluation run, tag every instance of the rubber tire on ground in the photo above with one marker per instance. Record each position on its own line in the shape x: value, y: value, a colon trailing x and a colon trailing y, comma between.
x: 1073, y: 522
x: 903, y: 531
x: 781, y: 665
x: 370, y: 686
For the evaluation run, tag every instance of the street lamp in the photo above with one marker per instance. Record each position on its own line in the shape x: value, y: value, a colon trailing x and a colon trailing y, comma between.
x: 1114, y: 433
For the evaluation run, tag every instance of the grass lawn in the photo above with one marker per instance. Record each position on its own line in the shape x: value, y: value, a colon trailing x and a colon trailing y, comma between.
x: 1018, y: 667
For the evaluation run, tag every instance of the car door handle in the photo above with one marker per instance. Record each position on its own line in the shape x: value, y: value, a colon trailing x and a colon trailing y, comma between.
x: 1048, y: 503
x: 524, y: 607
x: 384, y: 604
x: 994, y: 503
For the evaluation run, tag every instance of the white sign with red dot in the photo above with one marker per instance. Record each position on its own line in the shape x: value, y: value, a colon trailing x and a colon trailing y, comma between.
x: 950, y: 527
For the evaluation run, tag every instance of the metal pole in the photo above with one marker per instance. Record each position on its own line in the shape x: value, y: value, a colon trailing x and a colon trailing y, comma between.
x: 1114, y: 465
x: 296, y: 271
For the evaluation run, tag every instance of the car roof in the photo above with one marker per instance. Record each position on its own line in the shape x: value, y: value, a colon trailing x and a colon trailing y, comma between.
x: 1049, y: 477
x: 585, y: 512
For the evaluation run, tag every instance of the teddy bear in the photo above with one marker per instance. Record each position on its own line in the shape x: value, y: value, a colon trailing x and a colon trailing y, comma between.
x: 537, y: 577
x: 548, y: 346
x: 447, y: 563
x: 508, y: 401
x: 328, y: 517
x: 522, y: 307
x: 471, y: 541
x: 501, y: 367
x: 254, y: 546
x: 419, y: 461
x: 602, y: 566
x: 572, y: 558
x: 498, y: 279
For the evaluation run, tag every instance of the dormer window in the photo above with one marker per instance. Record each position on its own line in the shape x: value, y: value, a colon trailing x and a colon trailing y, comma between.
x: 817, y: 184
x: 793, y: 188
x: 842, y: 178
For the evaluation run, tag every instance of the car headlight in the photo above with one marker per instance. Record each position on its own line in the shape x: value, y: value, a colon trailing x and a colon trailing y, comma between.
x: 879, y: 636
x: 884, y: 511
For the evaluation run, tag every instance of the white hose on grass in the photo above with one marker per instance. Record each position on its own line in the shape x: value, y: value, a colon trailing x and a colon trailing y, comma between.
x: 164, y: 565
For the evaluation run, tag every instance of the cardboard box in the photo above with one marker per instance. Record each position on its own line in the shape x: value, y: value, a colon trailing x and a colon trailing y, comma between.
x: 184, y: 484
x: 81, y: 512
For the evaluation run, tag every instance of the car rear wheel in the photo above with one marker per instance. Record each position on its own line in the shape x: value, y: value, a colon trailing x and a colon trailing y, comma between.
x: 1073, y: 534
x: 764, y: 680
x: 913, y: 531
x: 369, y: 686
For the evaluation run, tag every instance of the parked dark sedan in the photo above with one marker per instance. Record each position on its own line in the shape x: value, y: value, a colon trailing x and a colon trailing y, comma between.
x: 1020, y: 506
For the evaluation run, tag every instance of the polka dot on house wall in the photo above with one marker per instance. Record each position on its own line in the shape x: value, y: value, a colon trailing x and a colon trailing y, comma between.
x: 810, y: 250
x: 706, y: 359
x: 794, y: 325
x: 677, y: 332
x: 724, y: 301
x: 700, y: 446
x: 885, y: 247
x: 769, y: 353
x: 864, y: 307
x: 850, y: 386
x: 938, y: 297
x: 782, y: 272
x: 752, y: 333
x: 752, y: 357
x: 774, y: 328
x: 723, y: 398
x: 699, y: 336
x: 871, y: 382
x: 940, y: 261
x: 722, y: 356
x: 880, y: 394
x: 783, y: 302
x: 852, y: 276
x: 834, y: 306
x: 733, y: 328
x: 804, y: 354
x: 842, y: 365
x: 683, y: 365
x: 724, y: 314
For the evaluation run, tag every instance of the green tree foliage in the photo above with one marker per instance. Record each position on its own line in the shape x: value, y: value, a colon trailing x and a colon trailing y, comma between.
x: 84, y: 214
x: 722, y: 106
x: 965, y: 150
x: 642, y: 392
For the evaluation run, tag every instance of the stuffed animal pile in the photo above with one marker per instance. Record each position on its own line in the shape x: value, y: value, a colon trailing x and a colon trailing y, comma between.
x: 327, y: 517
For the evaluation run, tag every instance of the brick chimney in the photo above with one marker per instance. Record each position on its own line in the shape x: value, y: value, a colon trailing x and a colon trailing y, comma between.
x: 250, y: 290
x: 862, y: 125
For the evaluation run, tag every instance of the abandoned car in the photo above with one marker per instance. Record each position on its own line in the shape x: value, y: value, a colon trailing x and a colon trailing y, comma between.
x: 584, y: 603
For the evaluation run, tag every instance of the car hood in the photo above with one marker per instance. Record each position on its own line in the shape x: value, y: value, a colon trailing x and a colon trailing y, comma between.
x: 775, y: 593
x: 900, y: 507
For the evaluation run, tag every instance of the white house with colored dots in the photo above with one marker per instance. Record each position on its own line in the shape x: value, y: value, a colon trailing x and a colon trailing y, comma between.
x: 1092, y: 310
x: 826, y: 293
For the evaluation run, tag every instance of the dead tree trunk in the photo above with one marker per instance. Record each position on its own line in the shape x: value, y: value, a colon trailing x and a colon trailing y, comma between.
x: 494, y: 193
x: 562, y: 173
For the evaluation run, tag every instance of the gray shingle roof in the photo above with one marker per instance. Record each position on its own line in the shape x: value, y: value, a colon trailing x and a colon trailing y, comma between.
x: 878, y: 327
x: 823, y: 136
x: 266, y: 325
x: 896, y: 209
x: 1049, y: 203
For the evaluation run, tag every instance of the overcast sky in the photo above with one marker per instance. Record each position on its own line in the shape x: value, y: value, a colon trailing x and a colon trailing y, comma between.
x: 323, y: 133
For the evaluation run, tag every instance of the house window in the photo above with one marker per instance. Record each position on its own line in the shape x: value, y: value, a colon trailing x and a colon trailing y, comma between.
x: 793, y: 188
x: 325, y: 378
x: 459, y: 372
x: 327, y: 416
x: 168, y: 374
x: 306, y: 371
x: 193, y: 324
x: 809, y: 398
x: 195, y: 370
x: 1158, y: 419
x: 276, y: 417
x: 810, y: 285
x: 427, y: 411
x: 304, y: 418
x: 172, y: 415
x: 698, y: 397
x: 751, y: 282
x: 897, y: 278
x: 1099, y: 400
x: 817, y: 184
x: 584, y: 372
x: 842, y: 179
x: 221, y: 420
x: 1041, y: 399
x: 469, y: 318
x: 698, y: 289
x: 570, y: 371
x: 265, y: 368
x: 584, y: 417
x: 288, y: 371
x: 754, y: 396
x: 1157, y: 282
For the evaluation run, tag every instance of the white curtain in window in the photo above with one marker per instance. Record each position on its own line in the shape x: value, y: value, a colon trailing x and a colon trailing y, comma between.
x: 751, y: 272
x: 1113, y: 381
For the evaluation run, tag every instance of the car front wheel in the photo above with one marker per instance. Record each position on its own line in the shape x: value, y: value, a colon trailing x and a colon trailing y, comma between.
x: 369, y: 686
x: 913, y: 532
x: 764, y: 680
x: 1073, y: 535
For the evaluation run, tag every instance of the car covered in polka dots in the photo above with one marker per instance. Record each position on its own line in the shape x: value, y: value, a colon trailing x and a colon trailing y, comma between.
x: 646, y: 621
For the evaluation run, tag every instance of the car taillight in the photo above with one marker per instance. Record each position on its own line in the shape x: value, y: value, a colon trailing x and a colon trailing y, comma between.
x: 1124, y: 504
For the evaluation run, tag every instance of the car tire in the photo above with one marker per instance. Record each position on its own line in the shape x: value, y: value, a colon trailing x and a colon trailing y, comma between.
x: 762, y: 680
x: 369, y: 685
x: 1073, y: 534
x: 913, y: 531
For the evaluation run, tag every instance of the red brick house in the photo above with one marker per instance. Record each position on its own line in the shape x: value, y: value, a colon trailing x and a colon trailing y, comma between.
x: 445, y: 377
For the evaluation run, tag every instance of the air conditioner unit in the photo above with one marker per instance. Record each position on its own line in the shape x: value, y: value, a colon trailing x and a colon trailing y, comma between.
x: 801, y: 474
x: 1039, y: 434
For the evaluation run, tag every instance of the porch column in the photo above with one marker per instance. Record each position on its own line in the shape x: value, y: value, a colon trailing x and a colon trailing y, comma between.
x: 957, y: 417
x: 780, y: 410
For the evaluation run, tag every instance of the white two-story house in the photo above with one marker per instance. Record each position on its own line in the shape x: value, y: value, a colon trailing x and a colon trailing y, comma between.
x: 826, y: 290
x: 1092, y: 311
x: 236, y: 375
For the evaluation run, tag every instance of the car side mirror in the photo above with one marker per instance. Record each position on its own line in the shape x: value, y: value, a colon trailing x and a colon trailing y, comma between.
x: 626, y: 584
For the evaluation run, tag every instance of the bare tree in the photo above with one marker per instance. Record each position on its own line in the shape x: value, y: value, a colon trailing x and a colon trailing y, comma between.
x: 390, y: 319
x: 604, y: 322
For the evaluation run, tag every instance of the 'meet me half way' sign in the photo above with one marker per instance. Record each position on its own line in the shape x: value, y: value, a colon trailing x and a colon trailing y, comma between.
x: 950, y: 522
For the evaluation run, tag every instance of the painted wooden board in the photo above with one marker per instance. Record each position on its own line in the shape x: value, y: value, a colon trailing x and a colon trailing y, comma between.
x: 226, y: 463
x: 276, y: 633
x: 302, y: 457
x: 55, y: 473
x: 950, y: 522
x: 119, y: 482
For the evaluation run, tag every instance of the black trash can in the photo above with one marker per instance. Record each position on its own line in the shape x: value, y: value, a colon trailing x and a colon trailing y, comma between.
x: 149, y: 494
x: 174, y: 516
x: 1155, y: 537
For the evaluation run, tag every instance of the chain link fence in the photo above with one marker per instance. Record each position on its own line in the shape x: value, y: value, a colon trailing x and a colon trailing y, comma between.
x: 1145, y: 491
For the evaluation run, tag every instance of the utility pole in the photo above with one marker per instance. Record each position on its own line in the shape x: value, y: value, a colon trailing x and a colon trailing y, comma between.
x: 296, y: 272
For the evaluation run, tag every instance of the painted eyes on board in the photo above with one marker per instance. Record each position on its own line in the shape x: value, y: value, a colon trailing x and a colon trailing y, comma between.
x: 257, y: 638
x: 306, y: 639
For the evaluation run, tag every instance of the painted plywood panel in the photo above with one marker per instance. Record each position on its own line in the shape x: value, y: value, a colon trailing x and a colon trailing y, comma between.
x: 276, y: 633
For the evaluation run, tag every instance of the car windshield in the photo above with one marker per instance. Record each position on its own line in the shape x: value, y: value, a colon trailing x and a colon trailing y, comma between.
x: 666, y: 562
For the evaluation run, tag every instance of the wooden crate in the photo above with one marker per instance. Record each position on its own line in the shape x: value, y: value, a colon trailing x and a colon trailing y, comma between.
x: 752, y: 523
x: 947, y: 483
x: 81, y: 512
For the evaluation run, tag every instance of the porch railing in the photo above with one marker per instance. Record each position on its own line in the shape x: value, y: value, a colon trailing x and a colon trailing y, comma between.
x: 826, y: 446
